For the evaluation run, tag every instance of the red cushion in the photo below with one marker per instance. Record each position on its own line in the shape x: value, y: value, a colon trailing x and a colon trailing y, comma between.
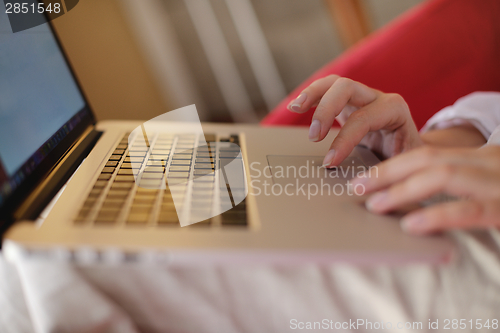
x: 432, y: 55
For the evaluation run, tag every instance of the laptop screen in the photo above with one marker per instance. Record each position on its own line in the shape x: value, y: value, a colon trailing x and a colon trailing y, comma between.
x: 40, y: 102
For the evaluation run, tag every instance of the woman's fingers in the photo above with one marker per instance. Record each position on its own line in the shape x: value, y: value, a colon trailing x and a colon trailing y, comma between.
x: 331, y: 94
x: 453, y: 215
x: 388, y: 112
x: 312, y: 94
x: 458, y: 180
x: 420, y: 186
x: 343, y: 92
x: 402, y: 166
x: 417, y: 175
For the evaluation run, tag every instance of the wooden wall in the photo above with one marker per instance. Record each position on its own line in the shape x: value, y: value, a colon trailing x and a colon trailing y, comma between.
x: 108, y: 63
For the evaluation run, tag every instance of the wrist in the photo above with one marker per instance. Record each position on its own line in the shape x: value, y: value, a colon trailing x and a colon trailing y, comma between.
x: 465, y: 135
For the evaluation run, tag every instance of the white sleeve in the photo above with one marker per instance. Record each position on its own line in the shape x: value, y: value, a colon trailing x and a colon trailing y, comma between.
x: 481, y: 109
x: 495, y: 137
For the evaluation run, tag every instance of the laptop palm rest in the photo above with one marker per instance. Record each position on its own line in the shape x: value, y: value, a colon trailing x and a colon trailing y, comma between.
x: 308, y: 170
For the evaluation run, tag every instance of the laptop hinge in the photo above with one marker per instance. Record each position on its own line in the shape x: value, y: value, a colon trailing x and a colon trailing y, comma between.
x: 58, y: 176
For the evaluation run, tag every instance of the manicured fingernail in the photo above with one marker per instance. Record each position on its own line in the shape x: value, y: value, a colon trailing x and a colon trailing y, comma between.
x: 414, y: 223
x: 296, y: 104
x: 376, y: 200
x: 329, y: 158
x: 314, y: 130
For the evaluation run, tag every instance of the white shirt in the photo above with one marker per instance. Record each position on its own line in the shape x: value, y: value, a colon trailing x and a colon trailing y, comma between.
x: 481, y: 109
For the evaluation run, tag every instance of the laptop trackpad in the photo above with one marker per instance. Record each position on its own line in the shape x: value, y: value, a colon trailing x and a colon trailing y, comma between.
x: 297, y: 170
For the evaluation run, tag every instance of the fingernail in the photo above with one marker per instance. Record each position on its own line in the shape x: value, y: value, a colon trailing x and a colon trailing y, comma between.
x: 328, y: 158
x: 314, y: 130
x: 414, y: 223
x: 296, y: 104
x: 376, y: 201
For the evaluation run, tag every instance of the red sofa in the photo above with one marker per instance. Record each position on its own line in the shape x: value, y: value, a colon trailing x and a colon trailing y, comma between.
x: 432, y: 55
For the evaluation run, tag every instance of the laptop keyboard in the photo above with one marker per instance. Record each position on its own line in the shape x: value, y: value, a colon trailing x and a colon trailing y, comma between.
x: 116, y: 198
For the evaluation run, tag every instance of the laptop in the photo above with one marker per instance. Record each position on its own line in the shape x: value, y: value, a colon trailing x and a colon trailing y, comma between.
x: 171, y: 189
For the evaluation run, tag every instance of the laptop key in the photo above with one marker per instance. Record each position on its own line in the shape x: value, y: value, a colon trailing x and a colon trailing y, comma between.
x: 204, y: 160
x: 144, y: 201
x: 204, y: 155
x: 108, y: 170
x: 146, y: 191
x: 100, y: 183
x: 175, y: 174
x: 161, y: 152
x: 115, y: 158
x: 229, y: 154
x: 122, y: 178
x: 117, y: 195
x: 95, y: 192
x: 109, y: 203
x: 158, y: 163
x: 125, y: 172
x: 182, y: 157
x: 90, y: 202
x: 179, y: 168
x: 163, y: 146
x: 168, y: 207
x: 181, y: 162
x: 155, y: 169
x: 136, y: 159
x: 104, y: 176
x: 119, y: 185
x: 140, y: 209
x: 130, y: 165
x: 204, y: 166
x: 183, y: 148
x: 119, y: 152
x: 150, y: 183
x: 152, y: 175
x: 137, y: 154
x: 139, y: 148
x: 203, y: 172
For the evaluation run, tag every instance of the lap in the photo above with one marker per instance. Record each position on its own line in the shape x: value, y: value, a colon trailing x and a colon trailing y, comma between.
x: 259, y: 298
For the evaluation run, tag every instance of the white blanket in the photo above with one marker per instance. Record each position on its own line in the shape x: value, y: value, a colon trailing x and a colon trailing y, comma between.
x: 50, y: 297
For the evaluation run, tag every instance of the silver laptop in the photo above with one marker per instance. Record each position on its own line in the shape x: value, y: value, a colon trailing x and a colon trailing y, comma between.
x: 171, y: 190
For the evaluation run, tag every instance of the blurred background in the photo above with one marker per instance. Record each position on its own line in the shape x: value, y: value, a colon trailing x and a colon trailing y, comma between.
x: 234, y: 59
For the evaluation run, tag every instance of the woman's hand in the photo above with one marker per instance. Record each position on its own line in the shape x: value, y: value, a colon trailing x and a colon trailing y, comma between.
x: 380, y: 121
x: 470, y: 174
